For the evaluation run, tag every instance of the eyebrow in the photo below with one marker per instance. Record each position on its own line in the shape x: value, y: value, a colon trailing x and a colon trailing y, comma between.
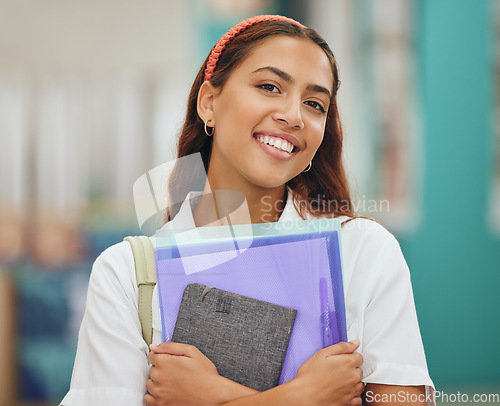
x: 286, y: 77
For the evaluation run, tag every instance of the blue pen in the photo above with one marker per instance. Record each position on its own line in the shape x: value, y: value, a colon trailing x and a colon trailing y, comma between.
x: 325, y: 314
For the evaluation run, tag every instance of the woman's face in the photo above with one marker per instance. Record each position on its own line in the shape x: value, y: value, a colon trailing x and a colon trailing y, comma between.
x: 270, y: 115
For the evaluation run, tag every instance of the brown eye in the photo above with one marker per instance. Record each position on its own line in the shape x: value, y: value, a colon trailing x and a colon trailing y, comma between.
x: 269, y: 88
x: 315, y: 105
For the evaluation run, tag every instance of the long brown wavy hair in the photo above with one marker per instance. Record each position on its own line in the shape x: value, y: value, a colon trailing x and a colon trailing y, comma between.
x: 322, y: 191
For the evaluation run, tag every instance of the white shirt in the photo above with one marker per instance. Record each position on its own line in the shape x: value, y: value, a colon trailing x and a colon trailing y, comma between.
x: 111, y: 365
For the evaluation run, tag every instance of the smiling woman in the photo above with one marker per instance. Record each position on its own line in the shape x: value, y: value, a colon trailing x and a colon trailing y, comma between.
x: 268, y: 94
x: 262, y: 113
x: 292, y: 66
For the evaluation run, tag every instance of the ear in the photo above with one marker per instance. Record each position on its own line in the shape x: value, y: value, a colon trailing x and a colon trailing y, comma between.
x: 205, y: 104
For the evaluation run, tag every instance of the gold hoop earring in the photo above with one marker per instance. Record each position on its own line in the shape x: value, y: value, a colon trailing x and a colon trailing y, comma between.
x: 308, y: 167
x: 206, y: 129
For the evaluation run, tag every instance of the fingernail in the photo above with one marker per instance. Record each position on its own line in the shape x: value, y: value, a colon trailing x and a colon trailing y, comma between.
x: 153, y: 347
x: 356, y: 342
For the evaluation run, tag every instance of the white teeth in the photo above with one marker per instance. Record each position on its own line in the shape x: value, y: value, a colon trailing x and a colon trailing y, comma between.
x: 277, y: 143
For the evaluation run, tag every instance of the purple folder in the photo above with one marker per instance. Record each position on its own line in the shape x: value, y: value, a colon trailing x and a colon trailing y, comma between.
x: 303, y: 274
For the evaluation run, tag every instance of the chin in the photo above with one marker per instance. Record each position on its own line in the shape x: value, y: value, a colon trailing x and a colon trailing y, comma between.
x: 270, y: 178
x: 271, y: 183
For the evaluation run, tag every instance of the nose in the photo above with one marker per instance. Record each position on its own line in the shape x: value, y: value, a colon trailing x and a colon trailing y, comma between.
x: 290, y: 115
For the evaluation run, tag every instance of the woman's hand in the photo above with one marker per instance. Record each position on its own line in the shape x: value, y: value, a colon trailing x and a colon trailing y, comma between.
x: 331, y: 377
x: 182, y: 375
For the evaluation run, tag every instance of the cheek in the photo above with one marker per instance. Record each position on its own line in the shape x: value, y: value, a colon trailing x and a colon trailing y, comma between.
x: 239, y: 112
x: 317, y: 136
x: 248, y: 108
x: 237, y: 100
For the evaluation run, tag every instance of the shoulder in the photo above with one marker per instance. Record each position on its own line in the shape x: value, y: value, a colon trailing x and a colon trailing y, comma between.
x: 116, y: 256
x: 371, y: 254
x: 118, y: 251
x: 114, y: 270
x: 366, y: 234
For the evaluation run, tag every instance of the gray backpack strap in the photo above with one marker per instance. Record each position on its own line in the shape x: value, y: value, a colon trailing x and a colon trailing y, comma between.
x: 145, y: 270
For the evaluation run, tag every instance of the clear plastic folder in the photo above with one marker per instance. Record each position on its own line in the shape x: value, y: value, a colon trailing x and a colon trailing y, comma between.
x: 296, y: 266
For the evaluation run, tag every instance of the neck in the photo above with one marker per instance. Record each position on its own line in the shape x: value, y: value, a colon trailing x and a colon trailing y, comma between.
x: 242, y: 205
x: 266, y: 206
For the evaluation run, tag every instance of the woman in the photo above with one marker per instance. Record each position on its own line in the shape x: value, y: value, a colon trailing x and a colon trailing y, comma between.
x: 262, y: 112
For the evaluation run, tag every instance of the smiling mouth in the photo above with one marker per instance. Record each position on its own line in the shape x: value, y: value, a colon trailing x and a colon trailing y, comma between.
x: 277, y: 143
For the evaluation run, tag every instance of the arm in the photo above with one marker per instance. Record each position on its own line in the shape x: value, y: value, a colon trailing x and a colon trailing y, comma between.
x: 111, y: 362
x: 379, y: 301
x: 331, y: 377
x: 182, y: 375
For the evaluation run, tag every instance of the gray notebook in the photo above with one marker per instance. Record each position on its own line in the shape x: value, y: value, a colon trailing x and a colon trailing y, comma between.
x: 245, y: 338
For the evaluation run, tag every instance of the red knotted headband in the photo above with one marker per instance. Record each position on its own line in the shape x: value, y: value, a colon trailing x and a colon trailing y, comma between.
x: 233, y: 32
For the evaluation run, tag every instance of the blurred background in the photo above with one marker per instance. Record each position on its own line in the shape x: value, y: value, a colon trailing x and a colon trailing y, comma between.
x: 92, y: 95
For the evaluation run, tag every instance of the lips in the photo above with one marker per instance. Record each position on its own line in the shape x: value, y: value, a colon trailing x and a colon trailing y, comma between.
x: 277, y: 138
x: 277, y: 144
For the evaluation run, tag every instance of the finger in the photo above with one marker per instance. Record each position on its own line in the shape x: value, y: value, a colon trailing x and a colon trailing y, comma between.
x: 151, y: 358
x: 360, y: 373
x: 150, y: 386
x: 155, y: 375
x: 162, y: 361
x: 149, y: 400
x: 359, y: 389
x: 357, y: 401
x: 172, y: 348
x: 358, y: 359
x: 155, y: 359
x: 341, y: 348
